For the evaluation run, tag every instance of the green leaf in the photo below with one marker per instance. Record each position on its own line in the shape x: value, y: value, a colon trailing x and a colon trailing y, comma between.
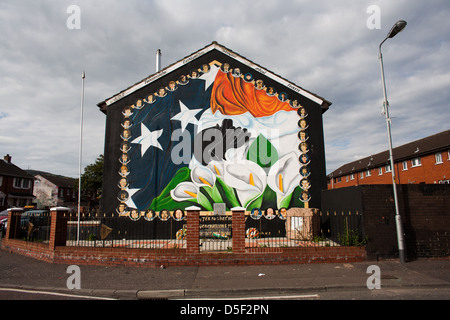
x: 255, y: 203
x: 295, y: 200
x: 182, y: 175
x: 204, y: 202
x: 227, y: 193
x: 262, y: 152
x: 213, y: 193
x: 169, y: 204
x: 270, y: 198
x: 284, y: 203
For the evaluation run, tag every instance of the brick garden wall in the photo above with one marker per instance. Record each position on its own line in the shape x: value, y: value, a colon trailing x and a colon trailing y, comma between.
x: 178, y: 257
x: 56, y: 251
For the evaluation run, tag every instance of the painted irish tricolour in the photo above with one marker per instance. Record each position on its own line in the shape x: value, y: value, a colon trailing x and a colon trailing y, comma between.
x: 213, y: 131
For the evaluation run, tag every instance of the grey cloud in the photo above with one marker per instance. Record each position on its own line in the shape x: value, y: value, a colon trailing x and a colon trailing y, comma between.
x: 323, y: 46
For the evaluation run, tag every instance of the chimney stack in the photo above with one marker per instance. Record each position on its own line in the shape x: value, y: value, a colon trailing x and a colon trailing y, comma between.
x: 158, y: 60
x: 7, y: 158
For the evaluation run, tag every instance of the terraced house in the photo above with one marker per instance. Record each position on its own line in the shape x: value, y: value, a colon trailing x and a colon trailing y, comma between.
x: 425, y: 161
x: 16, y: 186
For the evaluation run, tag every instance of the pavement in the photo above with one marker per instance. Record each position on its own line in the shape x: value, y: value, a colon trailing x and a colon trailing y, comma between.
x: 211, y: 282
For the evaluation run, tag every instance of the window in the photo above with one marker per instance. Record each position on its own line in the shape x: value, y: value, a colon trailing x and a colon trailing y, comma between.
x: 368, y: 174
x: 361, y: 175
x: 405, y: 165
x: 416, y: 162
x: 380, y: 171
x: 352, y: 176
x: 25, y: 184
x: 438, y: 157
x: 346, y: 178
x: 387, y: 168
x: 21, y: 183
x: 17, y: 183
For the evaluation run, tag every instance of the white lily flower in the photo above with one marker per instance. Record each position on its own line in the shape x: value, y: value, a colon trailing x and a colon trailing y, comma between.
x: 203, y: 176
x: 184, y: 191
x: 188, y: 191
x: 247, y: 178
x: 217, y: 167
x: 284, y: 177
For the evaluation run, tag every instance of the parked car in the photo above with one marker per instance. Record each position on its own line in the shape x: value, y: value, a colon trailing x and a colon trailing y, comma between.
x: 35, y: 225
x: 3, y: 221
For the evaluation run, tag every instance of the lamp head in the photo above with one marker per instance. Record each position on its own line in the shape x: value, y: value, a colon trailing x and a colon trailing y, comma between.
x: 398, y: 27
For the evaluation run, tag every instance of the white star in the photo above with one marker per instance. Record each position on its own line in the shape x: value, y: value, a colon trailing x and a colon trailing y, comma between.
x: 130, y: 203
x: 148, y: 139
x: 210, y: 76
x: 186, y: 116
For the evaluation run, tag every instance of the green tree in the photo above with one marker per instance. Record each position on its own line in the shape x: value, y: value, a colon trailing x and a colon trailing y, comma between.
x: 91, y: 179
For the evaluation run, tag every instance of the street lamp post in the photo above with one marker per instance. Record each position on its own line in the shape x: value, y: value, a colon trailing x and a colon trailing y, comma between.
x: 398, y: 27
x: 83, y: 75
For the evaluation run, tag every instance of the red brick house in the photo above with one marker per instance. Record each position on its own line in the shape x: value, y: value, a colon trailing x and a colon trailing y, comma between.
x: 16, y: 186
x: 422, y: 161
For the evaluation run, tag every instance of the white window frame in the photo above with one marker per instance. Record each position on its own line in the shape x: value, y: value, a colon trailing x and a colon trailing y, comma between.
x: 438, y: 157
x: 17, y: 183
x: 415, y: 162
x: 25, y: 183
x: 22, y: 183
x: 405, y: 165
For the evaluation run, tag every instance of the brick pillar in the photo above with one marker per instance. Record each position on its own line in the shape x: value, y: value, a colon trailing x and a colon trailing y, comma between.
x: 238, y: 229
x: 58, y: 227
x: 13, y: 228
x: 193, y: 230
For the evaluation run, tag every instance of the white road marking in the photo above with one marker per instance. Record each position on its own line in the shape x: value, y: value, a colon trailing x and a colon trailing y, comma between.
x: 304, y: 296
x: 55, y: 294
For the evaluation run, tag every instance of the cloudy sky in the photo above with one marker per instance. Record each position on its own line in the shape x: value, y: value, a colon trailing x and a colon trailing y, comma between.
x: 323, y: 46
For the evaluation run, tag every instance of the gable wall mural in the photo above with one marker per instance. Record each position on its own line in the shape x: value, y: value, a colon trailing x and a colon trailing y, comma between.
x: 217, y: 133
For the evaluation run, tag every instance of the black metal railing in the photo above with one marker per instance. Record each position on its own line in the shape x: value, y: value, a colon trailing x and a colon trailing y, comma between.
x: 320, y: 230
x: 215, y: 231
x: 32, y: 226
x: 100, y: 230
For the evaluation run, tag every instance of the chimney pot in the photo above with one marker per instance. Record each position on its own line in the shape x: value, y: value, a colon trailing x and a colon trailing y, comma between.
x: 7, y: 158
